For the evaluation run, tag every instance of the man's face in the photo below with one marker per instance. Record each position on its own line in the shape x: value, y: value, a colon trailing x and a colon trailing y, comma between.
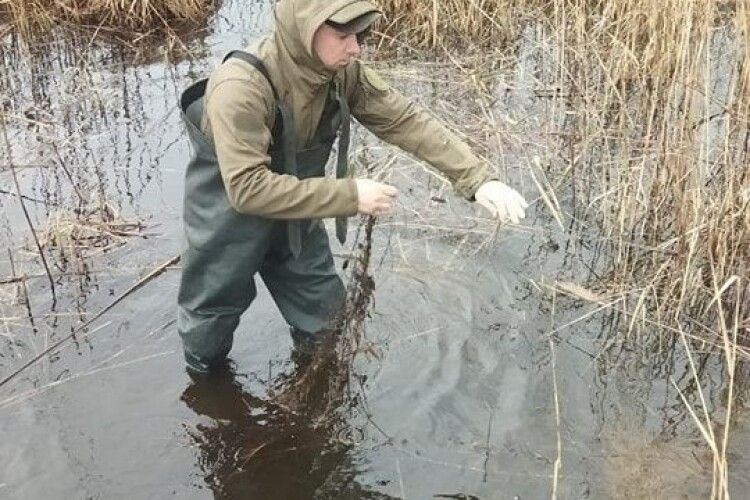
x: 335, y: 48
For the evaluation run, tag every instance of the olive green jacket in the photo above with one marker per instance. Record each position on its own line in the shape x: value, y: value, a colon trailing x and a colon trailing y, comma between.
x: 239, y: 115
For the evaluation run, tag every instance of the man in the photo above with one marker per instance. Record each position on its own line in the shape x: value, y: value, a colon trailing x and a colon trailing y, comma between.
x: 262, y: 127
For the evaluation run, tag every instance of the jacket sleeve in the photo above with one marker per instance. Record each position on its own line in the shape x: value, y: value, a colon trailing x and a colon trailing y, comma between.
x: 238, y: 116
x: 399, y: 121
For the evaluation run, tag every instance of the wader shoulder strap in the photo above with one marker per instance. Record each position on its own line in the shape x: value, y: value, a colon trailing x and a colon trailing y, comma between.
x: 192, y: 94
x: 342, y: 160
x: 285, y: 131
x: 255, y: 63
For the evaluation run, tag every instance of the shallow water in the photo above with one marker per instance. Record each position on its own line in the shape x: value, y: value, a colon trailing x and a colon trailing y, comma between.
x: 474, y: 348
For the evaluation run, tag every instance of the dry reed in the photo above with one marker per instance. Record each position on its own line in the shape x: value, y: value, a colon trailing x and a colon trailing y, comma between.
x: 657, y: 103
x: 431, y: 23
x: 29, y: 16
x: 659, y: 126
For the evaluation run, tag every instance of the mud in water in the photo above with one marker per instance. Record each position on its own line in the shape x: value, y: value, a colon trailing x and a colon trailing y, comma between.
x: 485, y: 379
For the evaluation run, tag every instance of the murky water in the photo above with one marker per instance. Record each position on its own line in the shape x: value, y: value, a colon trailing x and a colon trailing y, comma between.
x: 485, y: 378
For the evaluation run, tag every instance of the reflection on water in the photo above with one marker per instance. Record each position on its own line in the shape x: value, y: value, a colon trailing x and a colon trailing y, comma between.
x: 249, y: 447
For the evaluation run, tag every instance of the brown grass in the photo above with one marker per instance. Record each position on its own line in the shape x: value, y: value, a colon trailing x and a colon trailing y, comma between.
x: 659, y: 133
x: 656, y: 139
x: 31, y: 16
x: 431, y: 23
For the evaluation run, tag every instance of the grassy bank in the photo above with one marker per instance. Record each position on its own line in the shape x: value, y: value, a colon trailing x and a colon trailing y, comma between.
x: 29, y: 16
x: 656, y: 139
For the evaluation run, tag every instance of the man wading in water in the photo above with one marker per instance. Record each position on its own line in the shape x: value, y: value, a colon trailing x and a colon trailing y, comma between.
x: 261, y: 128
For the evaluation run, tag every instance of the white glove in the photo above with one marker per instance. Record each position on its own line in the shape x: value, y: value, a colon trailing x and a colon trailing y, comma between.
x: 502, y: 201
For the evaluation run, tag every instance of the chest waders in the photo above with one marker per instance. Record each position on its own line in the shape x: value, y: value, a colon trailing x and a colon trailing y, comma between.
x: 225, y: 249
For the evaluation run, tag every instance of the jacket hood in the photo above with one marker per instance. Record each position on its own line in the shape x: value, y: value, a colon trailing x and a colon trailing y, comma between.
x: 300, y: 77
x: 296, y: 23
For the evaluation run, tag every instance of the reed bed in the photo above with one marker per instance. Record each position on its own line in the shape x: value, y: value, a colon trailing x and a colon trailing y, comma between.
x: 657, y: 103
x: 430, y: 23
x: 32, y: 16
x: 656, y: 135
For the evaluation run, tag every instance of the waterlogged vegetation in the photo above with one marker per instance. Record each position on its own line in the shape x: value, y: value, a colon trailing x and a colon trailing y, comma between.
x: 649, y: 153
x: 653, y: 145
x: 597, y: 350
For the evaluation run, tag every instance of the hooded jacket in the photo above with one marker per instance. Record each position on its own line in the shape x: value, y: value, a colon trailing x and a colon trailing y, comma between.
x: 239, y: 114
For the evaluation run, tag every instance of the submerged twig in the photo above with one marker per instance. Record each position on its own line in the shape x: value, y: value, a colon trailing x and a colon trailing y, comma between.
x: 558, y: 459
x: 22, y: 281
x: 29, y: 198
x: 153, y: 274
x: 487, y: 444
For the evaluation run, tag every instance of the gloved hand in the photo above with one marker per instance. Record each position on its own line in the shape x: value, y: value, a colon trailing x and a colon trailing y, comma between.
x: 504, y: 202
